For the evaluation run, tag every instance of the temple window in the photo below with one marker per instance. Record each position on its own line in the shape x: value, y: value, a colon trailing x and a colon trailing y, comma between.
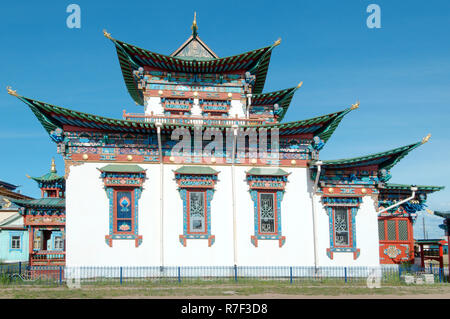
x: 342, y: 235
x: 267, y: 213
x: 394, y: 229
x: 123, y: 185
x: 196, y: 188
x: 341, y: 218
x: 37, y: 243
x: 197, y: 214
x: 58, y: 243
x: 267, y: 187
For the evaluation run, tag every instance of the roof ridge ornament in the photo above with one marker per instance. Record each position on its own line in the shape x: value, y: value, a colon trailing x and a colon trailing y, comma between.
x: 426, y: 139
x: 53, y: 166
x: 194, y: 26
x: 11, y: 91
x: 106, y: 34
x: 299, y: 85
x: 354, y: 106
x: 277, y: 42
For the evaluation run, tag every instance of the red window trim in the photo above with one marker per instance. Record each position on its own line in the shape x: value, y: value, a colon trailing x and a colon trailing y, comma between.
x: 350, y: 230
x: 205, y: 208
x: 275, y: 204
x: 115, y: 219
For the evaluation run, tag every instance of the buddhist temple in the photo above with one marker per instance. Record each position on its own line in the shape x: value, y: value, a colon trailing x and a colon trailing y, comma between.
x: 209, y: 174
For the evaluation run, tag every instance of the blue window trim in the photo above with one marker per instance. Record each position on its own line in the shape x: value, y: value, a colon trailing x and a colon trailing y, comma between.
x: 15, y: 233
x: 255, y: 195
x: 196, y: 183
x: 351, y: 203
x: 53, y: 240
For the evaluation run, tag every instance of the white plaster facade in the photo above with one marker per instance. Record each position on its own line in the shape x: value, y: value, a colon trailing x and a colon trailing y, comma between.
x: 87, y: 224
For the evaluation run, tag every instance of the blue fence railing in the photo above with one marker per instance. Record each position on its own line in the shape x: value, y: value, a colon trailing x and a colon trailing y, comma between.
x: 24, y: 274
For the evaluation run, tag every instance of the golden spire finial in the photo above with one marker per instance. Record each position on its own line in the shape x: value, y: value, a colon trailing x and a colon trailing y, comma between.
x: 11, y: 91
x: 354, y: 106
x: 429, y: 211
x: 53, y: 166
x: 194, y: 25
x: 426, y: 138
x: 106, y: 34
x: 300, y: 84
x: 28, y: 176
x: 277, y: 42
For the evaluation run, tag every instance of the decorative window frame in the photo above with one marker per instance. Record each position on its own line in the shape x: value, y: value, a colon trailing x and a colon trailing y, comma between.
x: 274, y: 184
x: 203, y: 182
x: 123, y: 181
x: 352, y: 204
x: 53, y: 240
x: 14, y: 234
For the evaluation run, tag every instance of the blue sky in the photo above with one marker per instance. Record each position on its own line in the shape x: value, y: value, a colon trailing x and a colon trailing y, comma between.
x: 400, y: 72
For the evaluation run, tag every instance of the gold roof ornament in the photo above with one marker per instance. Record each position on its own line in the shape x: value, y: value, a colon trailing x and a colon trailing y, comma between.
x: 8, y: 203
x: 11, y: 91
x: 426, y: 139
x: 53, y: 166
x: 354, y: 106
x: 28, y: 176
x: 194, y: 25
x: 277, y: 42
x: 429, y: 211
x: 299, y: 85
x: 106, y: 34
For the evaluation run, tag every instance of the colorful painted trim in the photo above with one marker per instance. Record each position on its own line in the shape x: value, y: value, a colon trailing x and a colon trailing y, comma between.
x: 273, y: 182
x: 202, y: 181
x: 129, y: 185
x: 352, y: 204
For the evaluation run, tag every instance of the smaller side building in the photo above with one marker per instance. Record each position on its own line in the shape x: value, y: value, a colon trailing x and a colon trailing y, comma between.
x: 13, y: 234
x: 45, y: 220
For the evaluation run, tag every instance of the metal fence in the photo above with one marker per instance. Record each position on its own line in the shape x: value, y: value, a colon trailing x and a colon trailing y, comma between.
x: 58, y: 275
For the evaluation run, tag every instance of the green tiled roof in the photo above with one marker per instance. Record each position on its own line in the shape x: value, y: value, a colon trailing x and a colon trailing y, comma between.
x: 117, y: 168
x: 408, y: 187
x: 41, y: 202
x: 267, y: 171
x: 385, y: 159
x: 132, y: 57
x: 442, y: 214
x: 282, y: 97
x: 196, y: 170
x: 49, y: 177
x: 52, y: 117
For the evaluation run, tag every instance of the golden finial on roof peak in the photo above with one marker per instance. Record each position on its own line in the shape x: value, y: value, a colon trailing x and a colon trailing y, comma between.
x: 429, y: 211
x: 299, y: 85
x: 53, y: 166
x: 194, y: 25
x: 11, y: 91
x: 354, y: 106
x: 277, y: 42
x: 28, y: 176
x: 106, y: 34
x: 426, y: 139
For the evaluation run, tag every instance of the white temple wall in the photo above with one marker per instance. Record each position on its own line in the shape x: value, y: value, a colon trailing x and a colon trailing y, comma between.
x: 153, y: 104
x: 236, y: 108
x: 87, y: 224
x: 87, y: 221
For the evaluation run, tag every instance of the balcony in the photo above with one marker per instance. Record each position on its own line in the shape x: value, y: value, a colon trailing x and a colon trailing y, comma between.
x: 195, y: 120
x: 48, y: 257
